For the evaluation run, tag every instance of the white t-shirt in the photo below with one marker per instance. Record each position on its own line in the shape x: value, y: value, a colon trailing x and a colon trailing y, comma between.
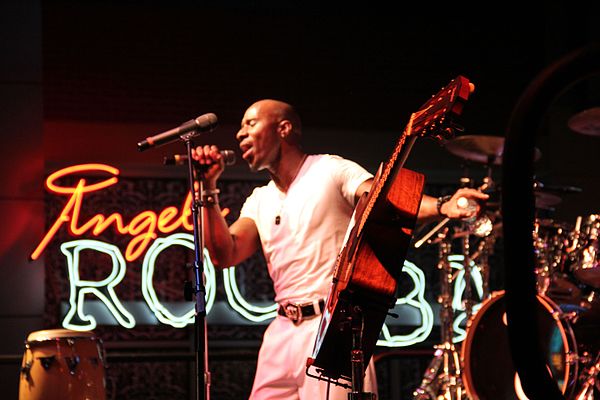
x: 313, y: 219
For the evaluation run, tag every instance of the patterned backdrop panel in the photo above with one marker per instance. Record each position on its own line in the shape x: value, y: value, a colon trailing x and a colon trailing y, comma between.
x: 154, y: 360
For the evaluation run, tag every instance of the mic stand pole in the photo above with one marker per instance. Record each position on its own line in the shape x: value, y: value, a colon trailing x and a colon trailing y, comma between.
x: 200, y: 335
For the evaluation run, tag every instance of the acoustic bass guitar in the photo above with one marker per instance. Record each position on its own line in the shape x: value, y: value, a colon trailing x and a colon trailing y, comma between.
x: 369, y: 266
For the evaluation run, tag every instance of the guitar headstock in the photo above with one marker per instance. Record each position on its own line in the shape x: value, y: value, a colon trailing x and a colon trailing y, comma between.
x: 436, y: 117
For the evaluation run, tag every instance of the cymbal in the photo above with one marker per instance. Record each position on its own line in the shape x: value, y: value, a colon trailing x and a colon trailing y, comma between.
x: 545, y: 200
x: 586, y: 122
x: 480, y: 148
x: 542, y: 187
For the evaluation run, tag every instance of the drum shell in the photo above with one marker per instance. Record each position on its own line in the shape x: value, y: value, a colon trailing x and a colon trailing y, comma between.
x: 488, y: 369
x: 63, y: 364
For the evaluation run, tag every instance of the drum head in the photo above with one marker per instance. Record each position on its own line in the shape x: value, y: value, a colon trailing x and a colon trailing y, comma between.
x: 488, y: 368
x: 51, y: 334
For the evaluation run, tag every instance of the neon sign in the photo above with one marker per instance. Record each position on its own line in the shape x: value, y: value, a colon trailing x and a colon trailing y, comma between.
x: 77, y: 319
x: 144, y: 229
x: 415, y: 298
x: 103, y: 289
x: 161, y: 312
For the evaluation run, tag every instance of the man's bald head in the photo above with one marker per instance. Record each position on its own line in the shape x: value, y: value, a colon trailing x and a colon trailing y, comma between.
x: 282, y: 111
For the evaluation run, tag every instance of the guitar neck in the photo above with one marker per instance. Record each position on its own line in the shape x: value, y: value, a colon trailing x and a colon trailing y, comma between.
x: 433, y: 118
x: 390, y: 169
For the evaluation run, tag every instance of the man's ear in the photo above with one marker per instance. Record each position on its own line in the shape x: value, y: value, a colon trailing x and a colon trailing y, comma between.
x: 284, y: 128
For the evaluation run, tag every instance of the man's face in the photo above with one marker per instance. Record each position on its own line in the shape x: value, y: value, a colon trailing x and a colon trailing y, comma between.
x: 258, y: 137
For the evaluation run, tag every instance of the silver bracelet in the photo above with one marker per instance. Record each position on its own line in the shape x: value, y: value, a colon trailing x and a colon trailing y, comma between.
x: 440, y: 201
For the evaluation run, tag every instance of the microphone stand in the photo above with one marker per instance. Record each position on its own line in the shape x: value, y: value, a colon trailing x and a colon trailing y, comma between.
x: 202, y: 373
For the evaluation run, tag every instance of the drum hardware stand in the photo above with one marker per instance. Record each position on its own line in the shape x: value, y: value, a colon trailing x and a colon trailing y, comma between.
x: 589, y: 377
x: 482, y: 227
x: 443, y: 375
x: 468, y: 301
x: 482, y: 254
x: 542, y: 270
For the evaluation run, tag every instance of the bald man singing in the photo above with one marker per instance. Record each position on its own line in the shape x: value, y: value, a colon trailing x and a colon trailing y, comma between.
x: 299, y: 221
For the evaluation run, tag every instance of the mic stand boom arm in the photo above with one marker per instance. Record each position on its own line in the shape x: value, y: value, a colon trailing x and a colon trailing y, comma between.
x: 200, y: 331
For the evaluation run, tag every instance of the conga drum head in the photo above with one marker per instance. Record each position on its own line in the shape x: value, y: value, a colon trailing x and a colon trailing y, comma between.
x: 54, y: 334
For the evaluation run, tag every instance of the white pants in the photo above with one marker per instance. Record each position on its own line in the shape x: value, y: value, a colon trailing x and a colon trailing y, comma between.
x: 281, y: 369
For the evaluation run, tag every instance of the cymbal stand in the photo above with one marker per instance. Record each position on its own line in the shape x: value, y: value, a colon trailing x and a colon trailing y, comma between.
x: 589, y: 378
x: 482, y: 256
x: 481, y: 226
x: 468, y: 296
x: 442, y: 378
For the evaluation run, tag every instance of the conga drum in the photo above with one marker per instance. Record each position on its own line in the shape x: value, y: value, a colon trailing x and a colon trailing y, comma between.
x: 62, y: 364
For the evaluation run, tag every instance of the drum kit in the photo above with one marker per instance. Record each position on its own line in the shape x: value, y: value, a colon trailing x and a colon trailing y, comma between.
x: 62, y: 364
x: 478, y: 365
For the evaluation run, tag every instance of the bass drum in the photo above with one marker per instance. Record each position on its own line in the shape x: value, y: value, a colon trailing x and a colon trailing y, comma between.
x: 61, y: 364
x: 489, y: 373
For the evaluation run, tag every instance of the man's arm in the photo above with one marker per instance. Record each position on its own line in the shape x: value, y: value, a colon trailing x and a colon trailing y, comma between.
x: 428, y: 210
x: 432, y: 208
x: 227, y: 245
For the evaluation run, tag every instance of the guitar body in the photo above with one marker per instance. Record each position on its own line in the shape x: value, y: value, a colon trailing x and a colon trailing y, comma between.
x: 369, y: 265
x: 367, y: 274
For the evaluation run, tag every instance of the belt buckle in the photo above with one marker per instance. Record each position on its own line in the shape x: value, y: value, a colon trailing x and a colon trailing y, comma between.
x: 293, y: 312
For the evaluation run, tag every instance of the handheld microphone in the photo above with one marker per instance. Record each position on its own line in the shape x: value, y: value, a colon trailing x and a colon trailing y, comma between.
x: 204, y: 123
x: 180, y: 159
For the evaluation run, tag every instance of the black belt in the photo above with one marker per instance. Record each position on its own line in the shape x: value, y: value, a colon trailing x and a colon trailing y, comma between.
x: 297, y: 312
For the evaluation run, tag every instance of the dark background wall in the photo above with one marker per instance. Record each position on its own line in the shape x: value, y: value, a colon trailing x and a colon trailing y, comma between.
x: 355, y: 73
x: 86, y: 82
